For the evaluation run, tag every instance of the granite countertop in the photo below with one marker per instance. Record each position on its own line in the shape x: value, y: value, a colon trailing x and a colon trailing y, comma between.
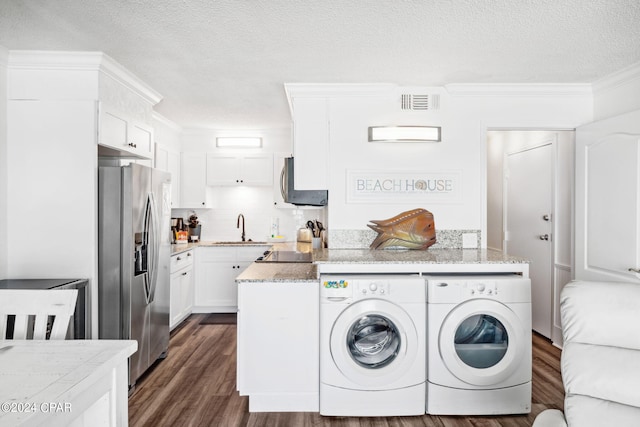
x: 279, y: 272
x: 367, y: 260
x: 400, y: 256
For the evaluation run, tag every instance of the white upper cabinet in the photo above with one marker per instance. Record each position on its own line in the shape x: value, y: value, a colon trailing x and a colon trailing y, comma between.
x: 124, y: 134
x: 169, y: 160
x: 194, y: 180
x: 173, y: 166
x: 310, y: 142
x: 254, y: 169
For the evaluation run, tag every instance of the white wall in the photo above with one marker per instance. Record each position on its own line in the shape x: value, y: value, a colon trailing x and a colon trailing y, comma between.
x: 4, y: 246
x: 466, y: 113
x: 255, y: 203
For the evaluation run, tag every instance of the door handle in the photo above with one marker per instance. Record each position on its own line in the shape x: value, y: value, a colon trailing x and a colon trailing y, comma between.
x: 544, y: 237
x: 546, y: 217
x: 635, y: 270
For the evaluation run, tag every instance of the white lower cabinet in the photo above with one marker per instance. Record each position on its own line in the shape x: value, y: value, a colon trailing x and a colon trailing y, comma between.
x: 182, y: 287
x: 278, y: 346
x: 216, y: 270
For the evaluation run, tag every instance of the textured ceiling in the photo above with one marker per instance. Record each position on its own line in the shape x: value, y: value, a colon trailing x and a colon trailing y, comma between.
x: 222, y: 63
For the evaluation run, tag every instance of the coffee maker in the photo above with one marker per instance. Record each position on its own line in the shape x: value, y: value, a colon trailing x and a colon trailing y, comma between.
x: 177, y: 224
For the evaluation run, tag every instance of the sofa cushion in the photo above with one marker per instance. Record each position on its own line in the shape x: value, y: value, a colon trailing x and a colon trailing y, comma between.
x: 585, y: 411
x: 592, y: 315
x: 602, y: 372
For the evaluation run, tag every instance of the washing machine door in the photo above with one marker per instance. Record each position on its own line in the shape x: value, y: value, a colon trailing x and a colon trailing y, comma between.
x: 374, y: 343
x: 482, y: 342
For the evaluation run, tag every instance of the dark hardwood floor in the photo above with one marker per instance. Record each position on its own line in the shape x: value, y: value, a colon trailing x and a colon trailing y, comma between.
x: 195, y: 386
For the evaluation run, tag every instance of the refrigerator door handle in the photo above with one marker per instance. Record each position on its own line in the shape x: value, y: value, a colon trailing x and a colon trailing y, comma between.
x: 155, y: 246
x: 149, y: 251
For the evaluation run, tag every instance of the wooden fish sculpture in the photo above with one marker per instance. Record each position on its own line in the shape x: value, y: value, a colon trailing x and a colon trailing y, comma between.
x: 412, y: 229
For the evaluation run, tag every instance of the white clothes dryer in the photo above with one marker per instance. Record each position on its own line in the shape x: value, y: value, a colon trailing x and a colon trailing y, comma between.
x: 479, y: 340
x: 372, y: 345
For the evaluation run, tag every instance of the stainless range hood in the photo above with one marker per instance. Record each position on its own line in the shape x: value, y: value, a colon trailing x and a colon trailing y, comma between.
x: 299, y: 197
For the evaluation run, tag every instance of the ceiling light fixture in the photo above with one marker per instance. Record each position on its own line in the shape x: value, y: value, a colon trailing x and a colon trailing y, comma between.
x: 238, y: 142
x: 404, y: 134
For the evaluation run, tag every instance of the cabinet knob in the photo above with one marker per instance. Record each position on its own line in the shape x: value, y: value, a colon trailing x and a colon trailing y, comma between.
x: 131, y: 144
x: 185, y: 273
x: 203, y: 203
x: 189, y: 254
x: 178, y: 258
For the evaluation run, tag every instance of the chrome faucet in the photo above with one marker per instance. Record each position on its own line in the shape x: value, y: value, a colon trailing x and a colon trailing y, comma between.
x: 238, y: 226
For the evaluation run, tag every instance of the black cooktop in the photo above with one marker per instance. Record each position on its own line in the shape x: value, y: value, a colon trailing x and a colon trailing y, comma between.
x: 286, y: 256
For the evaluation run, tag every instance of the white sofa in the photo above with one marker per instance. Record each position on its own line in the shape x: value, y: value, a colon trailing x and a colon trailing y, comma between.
x: 600, y: 360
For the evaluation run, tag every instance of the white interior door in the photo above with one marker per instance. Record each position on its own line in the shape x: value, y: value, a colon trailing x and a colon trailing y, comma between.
x: 607, y: 237
x: 529, y: 184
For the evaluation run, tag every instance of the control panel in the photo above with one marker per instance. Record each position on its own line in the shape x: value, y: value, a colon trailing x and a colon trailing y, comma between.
x: 445, y: 289
x: 396, y: 288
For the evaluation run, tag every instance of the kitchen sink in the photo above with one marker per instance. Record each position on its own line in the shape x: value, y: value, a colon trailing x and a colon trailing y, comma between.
x: 239, y: 242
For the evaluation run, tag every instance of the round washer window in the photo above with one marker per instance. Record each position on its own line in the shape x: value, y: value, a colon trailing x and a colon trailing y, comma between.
x: 373, y: 341
x: 481, y: 341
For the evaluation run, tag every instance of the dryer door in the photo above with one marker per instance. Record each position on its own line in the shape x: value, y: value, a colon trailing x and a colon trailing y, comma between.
x: 374, y: 343
x: 483, y: 342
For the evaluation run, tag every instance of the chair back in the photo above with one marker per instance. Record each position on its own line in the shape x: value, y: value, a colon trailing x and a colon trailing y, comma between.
x: 37, y: 314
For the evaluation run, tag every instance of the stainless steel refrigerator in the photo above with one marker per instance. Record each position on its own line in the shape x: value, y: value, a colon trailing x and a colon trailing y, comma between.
x: 134, y: 212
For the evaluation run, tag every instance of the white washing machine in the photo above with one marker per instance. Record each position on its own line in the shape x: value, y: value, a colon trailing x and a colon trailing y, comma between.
x: 372, y: 345
x: 479, y: 340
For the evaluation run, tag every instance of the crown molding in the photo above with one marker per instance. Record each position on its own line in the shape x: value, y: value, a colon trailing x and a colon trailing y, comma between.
x: 618, y: 78
x: 165, y: 121
x: 519, y: 89
x: 81, y: 61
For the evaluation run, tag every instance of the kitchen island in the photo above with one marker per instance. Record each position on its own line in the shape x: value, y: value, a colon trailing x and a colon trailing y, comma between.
x: 279, y: 321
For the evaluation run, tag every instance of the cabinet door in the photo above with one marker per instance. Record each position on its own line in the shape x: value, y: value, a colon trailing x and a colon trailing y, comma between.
x: 311, y: 143
x: 608, y: 199
x: 141, y: 139
x: 161, y: 159
x: 173, y: 167
x: 282, y: 317
x: 215, y: 286
x: 181, y: 298
x: 187, y: 292
x: 194, y: 180
x: 175, y: 295
x: 113, y: 129
x: 216, y: 270
x: 121, y: 133
x: 223, y: 170
x: 257, y: 170
x: 239, y: 170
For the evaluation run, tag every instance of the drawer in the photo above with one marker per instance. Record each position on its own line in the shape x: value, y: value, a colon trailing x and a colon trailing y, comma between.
x: 181, y: 260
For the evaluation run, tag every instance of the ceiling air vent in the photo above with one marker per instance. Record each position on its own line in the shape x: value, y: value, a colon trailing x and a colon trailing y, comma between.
x: 420, y: 102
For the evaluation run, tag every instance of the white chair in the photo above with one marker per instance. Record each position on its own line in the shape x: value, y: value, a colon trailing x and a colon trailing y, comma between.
x: 600, y: 360
x: 32, y: 309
